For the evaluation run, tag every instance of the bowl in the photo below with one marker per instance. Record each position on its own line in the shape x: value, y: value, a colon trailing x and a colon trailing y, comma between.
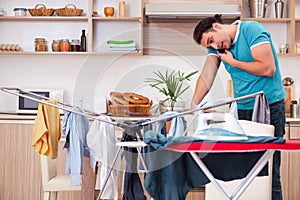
x: 1, y: 12
x: 109, y: 11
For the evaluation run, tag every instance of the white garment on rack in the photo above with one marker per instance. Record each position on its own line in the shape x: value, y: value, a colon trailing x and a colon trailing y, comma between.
x: 101, y: 141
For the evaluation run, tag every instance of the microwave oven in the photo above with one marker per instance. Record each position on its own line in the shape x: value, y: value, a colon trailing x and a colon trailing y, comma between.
x: 28, y: 106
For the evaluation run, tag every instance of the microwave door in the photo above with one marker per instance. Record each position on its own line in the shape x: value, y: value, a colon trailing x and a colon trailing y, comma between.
x: 28, y: 106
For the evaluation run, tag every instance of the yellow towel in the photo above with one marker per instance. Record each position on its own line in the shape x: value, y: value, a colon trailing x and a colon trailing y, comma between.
x: 47, y: 130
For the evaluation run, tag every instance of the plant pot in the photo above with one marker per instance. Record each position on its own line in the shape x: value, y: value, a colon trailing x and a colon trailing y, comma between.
x: 178, y: 107
x: 168, y: 126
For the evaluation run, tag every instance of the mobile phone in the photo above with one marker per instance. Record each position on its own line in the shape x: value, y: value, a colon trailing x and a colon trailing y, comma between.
x: 221, y: 50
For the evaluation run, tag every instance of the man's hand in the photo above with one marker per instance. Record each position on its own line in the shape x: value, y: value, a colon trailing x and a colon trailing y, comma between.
x: 226, y: 57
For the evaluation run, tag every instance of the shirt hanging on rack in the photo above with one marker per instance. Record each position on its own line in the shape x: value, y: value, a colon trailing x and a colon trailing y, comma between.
x: 101, y: 141
x: 47, y: 130
x: 75, y: 128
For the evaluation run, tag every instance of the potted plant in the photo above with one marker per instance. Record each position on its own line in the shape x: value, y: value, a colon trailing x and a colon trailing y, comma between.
x: 171, y: 85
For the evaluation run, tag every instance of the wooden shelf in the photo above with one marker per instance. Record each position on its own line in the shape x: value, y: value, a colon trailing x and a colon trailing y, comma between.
x: 138, y: 19
x: 50, y: 18
x: 268, y: 19
x: 98, y: 29
x: 40, y: 53
x: 283, y: 30
x: 117, y: 53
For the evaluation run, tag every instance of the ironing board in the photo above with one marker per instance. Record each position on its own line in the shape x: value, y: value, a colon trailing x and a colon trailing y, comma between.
x: 209, y: 147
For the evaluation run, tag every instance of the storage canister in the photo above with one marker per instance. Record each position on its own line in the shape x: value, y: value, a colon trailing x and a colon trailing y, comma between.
x: 40, y: 44
x: 55, y: 45
x: 20, y: 11
x: 64, y: 45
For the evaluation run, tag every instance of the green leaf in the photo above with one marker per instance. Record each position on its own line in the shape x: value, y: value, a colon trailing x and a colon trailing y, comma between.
x: 170, y: 84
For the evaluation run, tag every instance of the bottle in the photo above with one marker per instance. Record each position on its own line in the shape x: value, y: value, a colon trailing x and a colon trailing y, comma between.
x: 122, y: 9
x: 279, y: 8
x: 83, y: 41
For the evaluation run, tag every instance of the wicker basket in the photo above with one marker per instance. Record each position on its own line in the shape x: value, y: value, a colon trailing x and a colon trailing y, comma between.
x: 41, y: 10
x: 130, y: 109
x: 69, y: 10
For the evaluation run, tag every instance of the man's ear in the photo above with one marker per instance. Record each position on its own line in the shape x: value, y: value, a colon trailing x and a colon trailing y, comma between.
x: 216, y: 26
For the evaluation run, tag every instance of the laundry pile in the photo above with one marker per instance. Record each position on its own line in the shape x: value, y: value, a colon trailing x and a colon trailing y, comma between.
x: 122, y: 46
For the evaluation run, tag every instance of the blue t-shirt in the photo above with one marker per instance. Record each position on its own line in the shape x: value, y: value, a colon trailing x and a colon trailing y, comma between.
x: 249, y: 35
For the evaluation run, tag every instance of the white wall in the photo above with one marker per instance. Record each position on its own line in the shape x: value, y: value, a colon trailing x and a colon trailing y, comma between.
x: 85, y: 77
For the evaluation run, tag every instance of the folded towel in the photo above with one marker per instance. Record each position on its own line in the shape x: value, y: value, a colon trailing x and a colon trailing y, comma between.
x: 123, y: 50
x: 122, y: 45
x: 120, y: 42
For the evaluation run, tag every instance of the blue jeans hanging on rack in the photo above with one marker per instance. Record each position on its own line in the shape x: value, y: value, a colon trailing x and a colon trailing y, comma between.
x: 133, y: 189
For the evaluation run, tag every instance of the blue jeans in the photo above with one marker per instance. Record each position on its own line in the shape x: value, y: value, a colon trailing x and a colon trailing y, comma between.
x: 277, y: 118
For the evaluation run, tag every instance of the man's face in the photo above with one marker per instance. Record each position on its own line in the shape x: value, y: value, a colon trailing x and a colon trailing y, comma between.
x: 216, y: 39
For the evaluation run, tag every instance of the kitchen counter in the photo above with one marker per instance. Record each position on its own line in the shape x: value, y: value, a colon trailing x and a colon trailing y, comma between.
x: 8, y: 117
x: 292, y: 120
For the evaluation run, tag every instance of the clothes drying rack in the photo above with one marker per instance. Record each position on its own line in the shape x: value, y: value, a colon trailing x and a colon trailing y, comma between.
x: 126, y: 127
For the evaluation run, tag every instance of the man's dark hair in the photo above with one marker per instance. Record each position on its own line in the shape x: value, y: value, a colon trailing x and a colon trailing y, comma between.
x: 205, y: 25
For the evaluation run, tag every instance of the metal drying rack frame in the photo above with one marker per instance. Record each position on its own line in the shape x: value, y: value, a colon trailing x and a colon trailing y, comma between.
x: 127, y: 127
x: 94, y: 115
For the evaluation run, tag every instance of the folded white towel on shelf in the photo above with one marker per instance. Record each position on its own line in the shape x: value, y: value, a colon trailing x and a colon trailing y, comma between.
x: 123, y: 45
x: 123, y: 49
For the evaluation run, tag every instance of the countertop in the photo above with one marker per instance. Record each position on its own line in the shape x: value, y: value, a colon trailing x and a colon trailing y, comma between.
x: 14, y: 117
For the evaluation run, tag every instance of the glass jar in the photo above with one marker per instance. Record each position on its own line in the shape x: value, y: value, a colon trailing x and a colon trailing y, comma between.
x: 40, y: 44
x: 64, y: 45
x: 55, y: 45
x: 75, y: 45
x: 284, y: 48
x: 20, y: 11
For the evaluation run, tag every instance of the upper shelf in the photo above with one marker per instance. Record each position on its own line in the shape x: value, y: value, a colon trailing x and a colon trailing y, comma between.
x: 138, y: 19
x: 268, y: 19
x: 51, y: 18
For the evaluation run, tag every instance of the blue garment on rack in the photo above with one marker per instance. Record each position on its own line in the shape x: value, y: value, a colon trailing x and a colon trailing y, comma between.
x: 75, y: 127
x: 171, y: 174
x: 133, y: 189
x: 178, y: 124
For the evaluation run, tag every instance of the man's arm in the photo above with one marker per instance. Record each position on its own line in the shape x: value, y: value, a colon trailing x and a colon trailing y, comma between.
x: 206, y: 79
x: 263, y: 64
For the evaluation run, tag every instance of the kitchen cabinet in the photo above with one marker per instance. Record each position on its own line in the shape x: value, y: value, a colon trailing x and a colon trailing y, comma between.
x: 284, y: 30
x: 20, y: 166
x: 290, y: 165
x: 99, y: 29
x: 20, y: 171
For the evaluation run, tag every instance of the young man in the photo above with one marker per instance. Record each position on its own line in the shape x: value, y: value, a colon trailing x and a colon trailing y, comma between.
x: 248, y: 54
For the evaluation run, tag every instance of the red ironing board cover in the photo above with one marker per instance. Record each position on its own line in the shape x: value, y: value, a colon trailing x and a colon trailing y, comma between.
x: 233, y: 147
